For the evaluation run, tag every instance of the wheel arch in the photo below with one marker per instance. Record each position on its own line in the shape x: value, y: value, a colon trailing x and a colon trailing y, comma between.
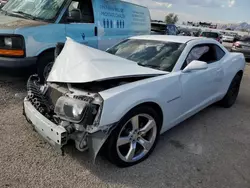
x: 240, y: 73
x: 154, y: 106
x: 49, y: 50
x: 151, y: 104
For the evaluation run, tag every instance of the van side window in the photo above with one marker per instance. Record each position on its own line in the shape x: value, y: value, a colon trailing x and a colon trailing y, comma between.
x: 86, y: 10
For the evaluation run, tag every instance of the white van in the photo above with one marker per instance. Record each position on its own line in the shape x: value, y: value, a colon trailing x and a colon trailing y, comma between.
x: 30, y: 29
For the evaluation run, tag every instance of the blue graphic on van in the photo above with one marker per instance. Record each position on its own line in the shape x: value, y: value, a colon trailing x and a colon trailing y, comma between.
x: 111, y: 24
x: 117, y: 24
x: 83, y: 36
x: 107, y: 23
x: 109, y: 10
x: 104, y: 23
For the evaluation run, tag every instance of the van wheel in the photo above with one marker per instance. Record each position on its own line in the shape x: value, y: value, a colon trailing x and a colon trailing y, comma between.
x: 134, y: 138
x: 232, y: 92
x: 44, y: 65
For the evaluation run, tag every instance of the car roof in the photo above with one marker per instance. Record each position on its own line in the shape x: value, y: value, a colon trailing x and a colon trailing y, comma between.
x: 211, y: 32
x: 168, y: 38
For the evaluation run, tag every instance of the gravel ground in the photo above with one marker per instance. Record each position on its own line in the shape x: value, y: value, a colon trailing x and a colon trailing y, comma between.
x: 209, y: 150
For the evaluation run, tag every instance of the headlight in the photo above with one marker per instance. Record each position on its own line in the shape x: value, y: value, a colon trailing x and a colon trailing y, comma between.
x: 12, y: 45
x: 70, y: 109
x: 8, y: 42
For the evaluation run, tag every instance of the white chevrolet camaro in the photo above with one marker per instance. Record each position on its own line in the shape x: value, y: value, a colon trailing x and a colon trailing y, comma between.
x: 120, y: 101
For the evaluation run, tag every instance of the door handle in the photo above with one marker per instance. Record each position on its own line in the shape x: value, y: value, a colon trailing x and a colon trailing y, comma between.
x: 96, y: 31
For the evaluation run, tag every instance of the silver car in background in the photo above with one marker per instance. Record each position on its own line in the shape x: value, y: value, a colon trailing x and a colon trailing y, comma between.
x: 212, y: 34
x: 242, y: 46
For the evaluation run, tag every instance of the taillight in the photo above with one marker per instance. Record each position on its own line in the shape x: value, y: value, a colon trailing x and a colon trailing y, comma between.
x: 237, y: 44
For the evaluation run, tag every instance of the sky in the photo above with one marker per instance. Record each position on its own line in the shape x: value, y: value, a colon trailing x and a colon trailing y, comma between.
x: 216, y: 11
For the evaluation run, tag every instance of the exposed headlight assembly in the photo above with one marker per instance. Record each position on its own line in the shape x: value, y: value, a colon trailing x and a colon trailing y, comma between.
x: 70, y: 109
x: 12, y: 46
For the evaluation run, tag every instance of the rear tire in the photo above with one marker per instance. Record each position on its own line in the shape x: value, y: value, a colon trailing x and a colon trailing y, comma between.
x: 232, y: 92
x: 118, y: 153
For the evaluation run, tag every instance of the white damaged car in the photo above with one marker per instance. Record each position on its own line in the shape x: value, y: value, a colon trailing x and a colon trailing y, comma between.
x: 121, y: 100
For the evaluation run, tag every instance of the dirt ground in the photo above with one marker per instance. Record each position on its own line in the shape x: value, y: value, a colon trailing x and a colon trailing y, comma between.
x: 210, y: 150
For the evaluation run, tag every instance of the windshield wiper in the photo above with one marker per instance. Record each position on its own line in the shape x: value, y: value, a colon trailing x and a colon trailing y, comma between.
x: 25, y: 15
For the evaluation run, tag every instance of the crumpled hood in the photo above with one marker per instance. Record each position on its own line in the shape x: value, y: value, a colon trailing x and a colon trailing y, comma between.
x: 9, y: 22
x: 79, y: 63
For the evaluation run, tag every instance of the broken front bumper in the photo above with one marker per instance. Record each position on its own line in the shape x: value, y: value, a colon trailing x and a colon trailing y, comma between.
x: 57, y: 136
x: 53, y: 134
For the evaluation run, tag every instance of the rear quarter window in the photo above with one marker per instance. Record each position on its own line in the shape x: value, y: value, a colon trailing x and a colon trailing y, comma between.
x: 219, y: 52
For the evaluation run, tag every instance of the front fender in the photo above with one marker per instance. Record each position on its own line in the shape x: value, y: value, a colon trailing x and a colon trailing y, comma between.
x: 41, y: 38
x: 120, y: 100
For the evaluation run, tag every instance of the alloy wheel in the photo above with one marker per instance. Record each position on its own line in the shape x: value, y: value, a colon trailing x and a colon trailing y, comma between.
x: 136, y: 138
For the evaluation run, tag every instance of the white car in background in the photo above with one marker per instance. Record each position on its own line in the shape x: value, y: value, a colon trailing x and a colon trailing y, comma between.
x: 121, y: 100
x: 228, y: 38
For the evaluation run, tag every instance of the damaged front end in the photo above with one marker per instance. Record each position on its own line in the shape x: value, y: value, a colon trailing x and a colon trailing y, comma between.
x: 60, y: 113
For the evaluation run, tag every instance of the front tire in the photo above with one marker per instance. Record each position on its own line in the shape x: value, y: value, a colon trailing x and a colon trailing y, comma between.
x: 134, y: 138
x: 232, y: 93
x: 44, y: 65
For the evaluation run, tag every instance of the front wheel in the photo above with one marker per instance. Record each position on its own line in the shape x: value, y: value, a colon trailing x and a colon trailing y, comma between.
x: 44, y: 65
x: 134, y: 138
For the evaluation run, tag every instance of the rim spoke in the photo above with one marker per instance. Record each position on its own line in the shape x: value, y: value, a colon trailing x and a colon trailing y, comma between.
x: 148, y: 126
x: 144, y: 143
x: 122, y: 141
x: 135, y: 122
x: 131, y: 152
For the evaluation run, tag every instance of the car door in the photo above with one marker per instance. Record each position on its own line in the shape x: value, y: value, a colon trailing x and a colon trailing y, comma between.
x: 85, y: 30
x: 201, y: 88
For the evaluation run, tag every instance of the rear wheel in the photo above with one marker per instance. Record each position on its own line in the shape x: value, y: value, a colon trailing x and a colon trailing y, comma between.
x: 232, y: 92
x: 134, y: 138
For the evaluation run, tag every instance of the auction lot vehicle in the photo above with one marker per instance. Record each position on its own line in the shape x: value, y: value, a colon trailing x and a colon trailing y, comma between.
x: 242, y: 46
x: 2, y: 3
x: 211, y: 34
x: 227, y: 38
x: 29, y: 31
x: 186, y: 32
x: 163, y: 28
x: 121, y: 100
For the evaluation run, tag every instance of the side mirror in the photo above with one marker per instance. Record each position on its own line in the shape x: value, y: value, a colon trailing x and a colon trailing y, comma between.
x: 195, y: 65
x: 75, y: 15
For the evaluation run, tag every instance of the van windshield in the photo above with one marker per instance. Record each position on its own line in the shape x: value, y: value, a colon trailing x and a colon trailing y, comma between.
x: 34, y: 9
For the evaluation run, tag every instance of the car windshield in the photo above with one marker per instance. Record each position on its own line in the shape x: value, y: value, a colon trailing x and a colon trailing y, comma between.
x: 210, y: 35
x: 148, y: 53
x: 34, y: 9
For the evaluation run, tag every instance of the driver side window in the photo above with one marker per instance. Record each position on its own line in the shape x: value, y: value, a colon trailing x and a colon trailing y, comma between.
x: 208, y: 53
x: 74, y: 5
x: 86, y: 9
